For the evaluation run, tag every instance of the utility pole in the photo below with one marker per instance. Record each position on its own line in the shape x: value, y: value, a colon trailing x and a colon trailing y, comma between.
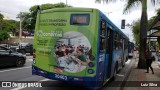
x: 20, y: 26
x: 20, y: 29
x: 66, y: 2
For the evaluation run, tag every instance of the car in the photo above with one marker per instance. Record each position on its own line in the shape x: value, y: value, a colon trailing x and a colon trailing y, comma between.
x: 4, y: 45
x: 9, y: 57
x: 22, y: 45
x: 25, y: 48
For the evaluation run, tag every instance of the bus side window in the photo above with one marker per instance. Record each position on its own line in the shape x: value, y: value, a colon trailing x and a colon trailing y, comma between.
x: 102, y: 35
x: 108, y: 40
x: 116, y: 41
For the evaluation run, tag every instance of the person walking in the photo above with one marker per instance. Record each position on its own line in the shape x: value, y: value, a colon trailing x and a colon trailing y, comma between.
x: 149, y: 61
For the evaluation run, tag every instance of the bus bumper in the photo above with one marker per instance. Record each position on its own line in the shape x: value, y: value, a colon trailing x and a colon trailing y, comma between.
x: 88, y: 82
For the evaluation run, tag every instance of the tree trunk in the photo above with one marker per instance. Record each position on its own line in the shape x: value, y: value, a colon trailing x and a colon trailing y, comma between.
x: 143, y: 35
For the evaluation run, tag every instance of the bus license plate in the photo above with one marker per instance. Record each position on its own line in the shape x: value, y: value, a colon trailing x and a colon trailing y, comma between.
x: 59, y: 76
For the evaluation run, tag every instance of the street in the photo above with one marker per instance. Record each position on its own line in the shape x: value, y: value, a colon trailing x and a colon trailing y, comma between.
x: 24, y: 74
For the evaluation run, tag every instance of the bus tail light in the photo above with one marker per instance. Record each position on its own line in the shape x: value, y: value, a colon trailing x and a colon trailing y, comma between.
x: 90, y: 64
x: 34, y: 55
x: 34, y: 50
x: 90, y: 71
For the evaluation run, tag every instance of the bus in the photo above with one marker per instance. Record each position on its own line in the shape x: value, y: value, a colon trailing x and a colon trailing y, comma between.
x: 78, y: 46
x: 131, y: 50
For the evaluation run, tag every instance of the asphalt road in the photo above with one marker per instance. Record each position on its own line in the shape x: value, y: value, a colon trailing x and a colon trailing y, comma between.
x: 24, y: 74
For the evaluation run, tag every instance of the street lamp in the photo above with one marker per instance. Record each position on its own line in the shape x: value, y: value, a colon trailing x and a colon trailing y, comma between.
x: 20, y: 29
x: 21, y: 17
x: 108, y: 13
x: 129, y: 25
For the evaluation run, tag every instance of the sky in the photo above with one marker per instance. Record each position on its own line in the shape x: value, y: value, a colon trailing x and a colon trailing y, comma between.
x: 114, y: 10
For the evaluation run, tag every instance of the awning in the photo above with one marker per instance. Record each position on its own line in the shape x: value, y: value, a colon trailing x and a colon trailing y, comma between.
x: 155, y: 24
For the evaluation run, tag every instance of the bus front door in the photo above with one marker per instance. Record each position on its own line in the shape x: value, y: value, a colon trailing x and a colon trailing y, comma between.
x: 101, y: 51
x: 109, y: 51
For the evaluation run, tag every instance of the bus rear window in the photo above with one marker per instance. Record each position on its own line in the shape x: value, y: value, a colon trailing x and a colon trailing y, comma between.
x: 79, y: 19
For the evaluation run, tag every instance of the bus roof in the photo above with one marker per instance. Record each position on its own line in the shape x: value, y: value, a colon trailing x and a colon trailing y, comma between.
x: 69, y: 10
x: 113, y: 25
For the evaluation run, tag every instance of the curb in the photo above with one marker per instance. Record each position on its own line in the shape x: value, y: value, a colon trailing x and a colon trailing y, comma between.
x: 158, y: 63
x: 125, y: 79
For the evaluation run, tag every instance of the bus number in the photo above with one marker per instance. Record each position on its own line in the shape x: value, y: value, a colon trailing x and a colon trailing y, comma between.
x: 61, y: 76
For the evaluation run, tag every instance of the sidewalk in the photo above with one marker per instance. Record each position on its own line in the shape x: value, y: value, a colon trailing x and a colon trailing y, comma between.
x: 139, y: 75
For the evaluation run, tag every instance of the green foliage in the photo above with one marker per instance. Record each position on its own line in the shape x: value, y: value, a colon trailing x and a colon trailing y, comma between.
x: 33, y: 12
x: 158, y: 11
x: 10, y: 26
x: 26, y: 20
x: 136, y: 32
x: 1, y: 19
x: 3, y: 35
x: 1, y: 16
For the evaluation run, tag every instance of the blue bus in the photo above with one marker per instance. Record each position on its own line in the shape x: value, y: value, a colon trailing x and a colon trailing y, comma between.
x: 131, y: 49
x: 78, y: 46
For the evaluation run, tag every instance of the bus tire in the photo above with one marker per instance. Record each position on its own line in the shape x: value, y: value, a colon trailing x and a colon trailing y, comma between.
x: 123, y: 65
x: 115, y: 72
x: 126, y: 59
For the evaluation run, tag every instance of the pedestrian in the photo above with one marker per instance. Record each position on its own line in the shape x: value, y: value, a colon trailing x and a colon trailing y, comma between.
x: 149, y: 61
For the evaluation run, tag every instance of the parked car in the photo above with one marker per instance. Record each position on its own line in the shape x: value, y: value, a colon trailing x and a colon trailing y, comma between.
x: 4, y: 45
x: 25, y: 48
x: 9, y: 57
x: 23, y: 45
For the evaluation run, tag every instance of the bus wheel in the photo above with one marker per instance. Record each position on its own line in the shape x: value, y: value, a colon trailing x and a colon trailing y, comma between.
x: 123, y: 64
x: 115, y: 72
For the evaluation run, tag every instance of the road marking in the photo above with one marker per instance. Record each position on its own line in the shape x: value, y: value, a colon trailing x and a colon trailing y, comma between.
x: 121, y: 75
x: 29, y: 60
x: 18, y: 88
x: 45, y: 80
x: 15, y: 69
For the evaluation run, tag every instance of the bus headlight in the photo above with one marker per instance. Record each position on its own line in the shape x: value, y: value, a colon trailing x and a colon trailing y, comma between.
x: 91, y: 64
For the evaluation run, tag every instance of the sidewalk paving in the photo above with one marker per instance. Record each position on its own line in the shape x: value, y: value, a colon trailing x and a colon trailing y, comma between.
x: 139, y: 75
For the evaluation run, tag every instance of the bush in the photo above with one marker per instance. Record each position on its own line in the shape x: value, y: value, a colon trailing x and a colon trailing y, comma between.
x: 3, y: 35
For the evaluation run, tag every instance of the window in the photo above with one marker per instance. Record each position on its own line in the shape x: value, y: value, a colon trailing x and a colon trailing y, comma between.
x: 118, y: 41
x: 2, y: 49
x: 80, y: 19
x: 108, y: 40
x: 102, y: 35
x: 125, y: 44
x: 115, y: 41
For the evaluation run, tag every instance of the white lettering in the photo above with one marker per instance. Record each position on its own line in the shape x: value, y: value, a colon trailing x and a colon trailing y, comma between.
x: 153, y: 84
x: 51, y: 34
x: 144, y: 84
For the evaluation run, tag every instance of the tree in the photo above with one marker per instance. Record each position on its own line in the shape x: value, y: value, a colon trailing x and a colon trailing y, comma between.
x: 136, y: 27
x: 10, y: 26
x: 33, y: 11
x: 158, y: 11
x: 3, y: 35
x: 143, y: 25
x: 1, y: 19
x: 25, y: 18
x: 136, y: 31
